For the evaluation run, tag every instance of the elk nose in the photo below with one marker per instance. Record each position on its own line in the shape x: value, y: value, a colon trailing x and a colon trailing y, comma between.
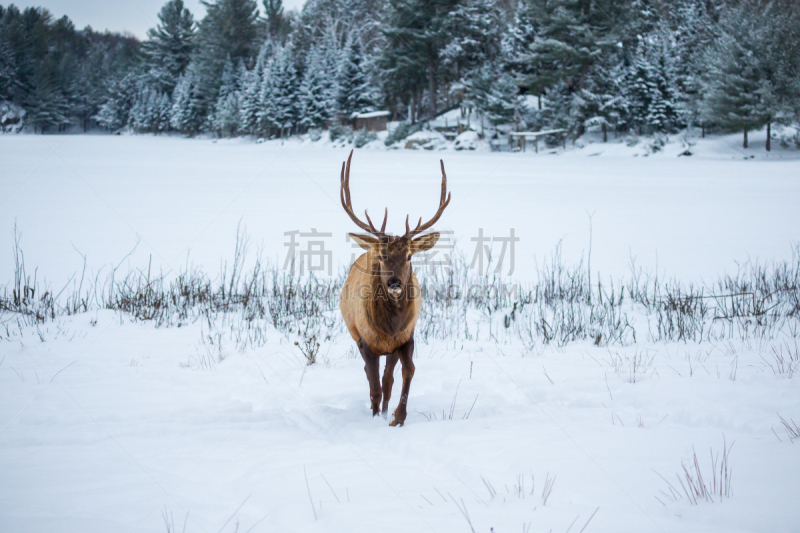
x: 394, y: 283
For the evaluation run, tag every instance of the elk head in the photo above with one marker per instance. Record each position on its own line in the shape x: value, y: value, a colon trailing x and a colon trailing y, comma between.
x: 392, y: 253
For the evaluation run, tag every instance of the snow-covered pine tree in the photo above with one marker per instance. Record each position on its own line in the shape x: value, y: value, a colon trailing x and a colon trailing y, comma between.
x: 163, y: 111
x: 168, y: 49
x: 317, y: 97
x: 8, y: 68
x: 141, y: 115
x: 355, y: 93
x: 228, y: 30
x: 187, y: 114
x: 121, y: 95
x: 693, y: 32
x: 565, y: 47
x: 474, y: 29
x: 226, y: 118
x: 266, y: 113
x: 515, y: 44
x: 779, y: 51
x: 734, y: 72
x: 284, y: 103
x: 651, y: 89
x: 252, y: 81
x: 503, y: 104
x: 603, y: 100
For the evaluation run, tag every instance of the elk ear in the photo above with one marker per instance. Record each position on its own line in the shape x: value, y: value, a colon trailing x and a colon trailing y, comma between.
x: 426, y: 242
x: 367, y: 242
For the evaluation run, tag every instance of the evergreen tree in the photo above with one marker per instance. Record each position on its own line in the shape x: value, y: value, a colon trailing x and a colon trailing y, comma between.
x: 355, y: 93
x: 604, y: 101
x: 416, y: 35
x: 228, y: 31
x: 9, y: 84
x: 565, y: 46
x: 267, y: 111
x: 169, y: 48
x: 475, y: 32
x: 651, y: 86
x: 252, y: 81
x: 317, y: 102
x: 115, y: 111
x: 188, y: 112
x: 276, y: 24
x: 225, y: 120
x: 502, y: 102
x: 734, y: 73
x: 516, y: 41
x: 284, y: 105
x: 779, y: 57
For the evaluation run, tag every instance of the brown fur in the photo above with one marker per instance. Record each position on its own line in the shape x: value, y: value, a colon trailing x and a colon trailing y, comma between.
x: 370, y: 313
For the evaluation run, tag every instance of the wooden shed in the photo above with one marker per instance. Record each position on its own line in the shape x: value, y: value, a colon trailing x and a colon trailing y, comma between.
x: 373, y: 121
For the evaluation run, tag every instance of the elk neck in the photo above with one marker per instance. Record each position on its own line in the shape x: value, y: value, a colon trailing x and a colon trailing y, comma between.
x: 389, y: 314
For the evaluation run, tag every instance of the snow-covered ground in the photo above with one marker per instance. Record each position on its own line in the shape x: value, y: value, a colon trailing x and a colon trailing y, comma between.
x: 108, y: 424
x: 690, y: 216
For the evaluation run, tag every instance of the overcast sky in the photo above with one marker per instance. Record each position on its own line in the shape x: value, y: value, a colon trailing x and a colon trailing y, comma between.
x: 133, y: 16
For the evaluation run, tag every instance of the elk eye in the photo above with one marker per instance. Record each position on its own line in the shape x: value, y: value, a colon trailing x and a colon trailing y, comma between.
x: 409, y: 257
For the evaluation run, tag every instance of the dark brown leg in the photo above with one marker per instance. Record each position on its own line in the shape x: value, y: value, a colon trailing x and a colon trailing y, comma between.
x: 405, y: 352
x: 388, y: 381
x: 371, y: 363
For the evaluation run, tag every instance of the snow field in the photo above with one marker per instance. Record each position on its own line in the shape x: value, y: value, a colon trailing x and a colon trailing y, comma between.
x: 128, y: 430
x: 106, y: 423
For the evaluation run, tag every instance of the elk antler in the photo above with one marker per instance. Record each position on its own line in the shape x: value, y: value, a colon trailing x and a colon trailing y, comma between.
x: 442, y: 204
x: 344, y: 193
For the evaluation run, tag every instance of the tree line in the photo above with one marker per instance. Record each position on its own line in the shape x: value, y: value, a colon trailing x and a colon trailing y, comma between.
x: 642, y: 66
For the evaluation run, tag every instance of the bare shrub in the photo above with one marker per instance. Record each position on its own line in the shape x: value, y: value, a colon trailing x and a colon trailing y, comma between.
x: 783, y: 359
x: 450, y: 414
x: 692, y: 483
x: 632, y: 367
x: 561, y: 306
x: 519, y: 490
x: 791, y: 427
x: 309, y: 348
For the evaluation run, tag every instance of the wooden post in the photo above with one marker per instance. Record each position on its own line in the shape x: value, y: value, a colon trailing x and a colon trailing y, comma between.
x: 769, y: 128
x: 564, y: 139
x: 536, y: 143
x: 524, y: 138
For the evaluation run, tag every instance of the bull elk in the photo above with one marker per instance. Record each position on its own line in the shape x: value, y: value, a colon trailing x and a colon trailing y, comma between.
x: 381, y: 298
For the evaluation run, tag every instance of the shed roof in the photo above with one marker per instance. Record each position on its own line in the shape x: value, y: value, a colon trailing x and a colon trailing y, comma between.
x: 372, y: 114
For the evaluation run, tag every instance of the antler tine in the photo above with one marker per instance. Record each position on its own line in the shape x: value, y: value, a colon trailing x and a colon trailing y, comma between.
x: 444, y: 201
x: 344, y: 195
x: 383, y: 226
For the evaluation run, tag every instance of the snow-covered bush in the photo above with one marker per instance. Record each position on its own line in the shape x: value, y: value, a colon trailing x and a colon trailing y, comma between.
x: 426, y: 139
x: 338, y: 131
x: 11, y: 117
x: 400, y: 132
x: 467, y: 140
x: 363, y: 137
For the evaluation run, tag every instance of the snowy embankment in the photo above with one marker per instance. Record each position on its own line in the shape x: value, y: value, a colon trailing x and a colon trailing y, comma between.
x: 143, y: 407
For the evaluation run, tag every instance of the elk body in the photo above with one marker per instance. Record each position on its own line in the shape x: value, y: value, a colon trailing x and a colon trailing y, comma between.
x: 381, y: 298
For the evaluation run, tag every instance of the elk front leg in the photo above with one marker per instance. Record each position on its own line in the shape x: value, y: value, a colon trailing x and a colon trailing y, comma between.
x: 405, y: 352
x: 371, y: 362
x: 388, y: 381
